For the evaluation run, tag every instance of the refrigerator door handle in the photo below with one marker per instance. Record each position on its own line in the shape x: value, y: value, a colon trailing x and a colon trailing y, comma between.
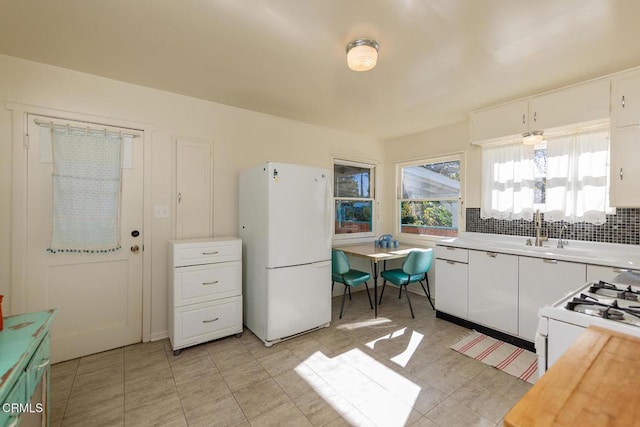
x: 317, y: 264
x: 330, y: 209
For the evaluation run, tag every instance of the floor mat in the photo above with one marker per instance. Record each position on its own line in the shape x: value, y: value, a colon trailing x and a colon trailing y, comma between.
x: 508, y: 358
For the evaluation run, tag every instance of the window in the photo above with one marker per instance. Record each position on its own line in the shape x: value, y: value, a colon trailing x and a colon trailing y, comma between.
x: 566, y: 176
x: 430, y: 197
x: 353, y: 191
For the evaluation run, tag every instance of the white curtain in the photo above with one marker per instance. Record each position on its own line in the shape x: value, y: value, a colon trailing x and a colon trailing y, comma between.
x: 86, y: 192
x: 577, y: 177
x: 508, y: 182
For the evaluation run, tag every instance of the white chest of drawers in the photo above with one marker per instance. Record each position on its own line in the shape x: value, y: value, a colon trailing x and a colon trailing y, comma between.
x: 205, y: 290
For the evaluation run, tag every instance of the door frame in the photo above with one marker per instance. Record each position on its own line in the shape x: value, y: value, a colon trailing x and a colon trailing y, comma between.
x: 19, y: 211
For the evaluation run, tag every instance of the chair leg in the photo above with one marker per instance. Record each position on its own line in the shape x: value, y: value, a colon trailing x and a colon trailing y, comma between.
x: 384, y: 283
x: 332, y: 283
x: 426, y: 292
x: 406, y: 292
x: 400, y: 292
x: 368, y: 294
x: 344, y: 295
x: 349, y: 293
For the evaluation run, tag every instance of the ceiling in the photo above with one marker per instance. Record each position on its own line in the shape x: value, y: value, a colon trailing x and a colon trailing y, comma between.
x: 439, y: 59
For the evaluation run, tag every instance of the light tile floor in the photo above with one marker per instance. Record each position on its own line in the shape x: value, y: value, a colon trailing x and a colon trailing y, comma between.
x: 390, y: 371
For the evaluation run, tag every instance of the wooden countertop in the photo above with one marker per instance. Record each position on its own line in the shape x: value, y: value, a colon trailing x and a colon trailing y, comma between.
x: 596, y: 382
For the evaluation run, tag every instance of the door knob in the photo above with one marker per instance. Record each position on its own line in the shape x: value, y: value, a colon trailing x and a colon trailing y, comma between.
x: 135, y: 248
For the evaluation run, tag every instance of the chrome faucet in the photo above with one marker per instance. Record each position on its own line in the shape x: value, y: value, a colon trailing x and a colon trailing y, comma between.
x: 561, y: 242
x: 538, y: 225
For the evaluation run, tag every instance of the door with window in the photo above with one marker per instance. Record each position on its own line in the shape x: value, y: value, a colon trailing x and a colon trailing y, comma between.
x: 98, y: 293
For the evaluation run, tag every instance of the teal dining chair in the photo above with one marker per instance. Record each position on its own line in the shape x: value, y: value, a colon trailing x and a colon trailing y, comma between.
x: 341, y: 272
x: 414, y: 269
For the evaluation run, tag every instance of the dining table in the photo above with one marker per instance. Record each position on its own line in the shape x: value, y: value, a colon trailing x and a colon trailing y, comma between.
x: 377, y: 255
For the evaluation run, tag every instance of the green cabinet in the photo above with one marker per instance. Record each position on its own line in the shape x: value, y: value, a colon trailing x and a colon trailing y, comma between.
x: 24, y: 365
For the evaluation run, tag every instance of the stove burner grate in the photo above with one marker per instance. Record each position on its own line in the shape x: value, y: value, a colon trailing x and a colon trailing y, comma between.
x: 611, y: 290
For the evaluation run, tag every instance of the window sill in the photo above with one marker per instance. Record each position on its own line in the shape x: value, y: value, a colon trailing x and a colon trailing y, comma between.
x: 351, y: 240
x: 428, y: 240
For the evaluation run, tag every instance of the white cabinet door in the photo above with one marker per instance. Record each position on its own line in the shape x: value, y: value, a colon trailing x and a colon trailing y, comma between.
x: 576, y: 104
x: 493, y: 290
x: 543, y: 282
x: 501, y: 121
x: 625, y: 167
x: 452, y: 287
x: 194, y: 184
x: 596, y: 273
x: 627, y: 100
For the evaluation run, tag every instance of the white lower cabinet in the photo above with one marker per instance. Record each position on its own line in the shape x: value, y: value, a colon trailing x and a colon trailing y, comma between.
x: 493, y: 290
x: 596, y: 273
x: 452, y: 281
x: 542, y: 282
x: 205, y: 290
x: 208, y: 320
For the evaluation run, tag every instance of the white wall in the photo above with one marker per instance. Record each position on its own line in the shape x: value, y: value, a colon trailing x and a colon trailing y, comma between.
x: 242, y: 138
x: 436, y: 142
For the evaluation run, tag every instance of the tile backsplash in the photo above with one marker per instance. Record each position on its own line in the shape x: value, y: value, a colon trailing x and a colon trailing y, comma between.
x: 623, y: 227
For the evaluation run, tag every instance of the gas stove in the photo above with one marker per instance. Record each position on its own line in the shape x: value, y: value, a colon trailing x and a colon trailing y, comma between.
x: 609, y: 301
x: 611, y: 304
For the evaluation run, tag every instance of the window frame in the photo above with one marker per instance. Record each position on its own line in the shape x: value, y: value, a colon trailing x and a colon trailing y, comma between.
x: 372, y: 193
x: 418, y: 238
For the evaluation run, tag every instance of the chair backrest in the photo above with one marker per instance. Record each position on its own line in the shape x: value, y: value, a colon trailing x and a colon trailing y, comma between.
x: 339, y: 262
x: 418, y: 262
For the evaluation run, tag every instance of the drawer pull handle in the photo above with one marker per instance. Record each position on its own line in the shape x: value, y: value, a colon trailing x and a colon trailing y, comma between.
x: 450, y: 262
x: 209, y: 321
x: 211, y: 283
x: 620, y: 270
x: 210, y: 253
x: 43, y: 364
x: 449, y: 248
x: 550, y: 261
x: 492, y: 254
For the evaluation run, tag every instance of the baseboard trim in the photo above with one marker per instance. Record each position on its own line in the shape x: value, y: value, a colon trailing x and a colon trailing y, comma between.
x: 518, y: 342
x: 157, y: 336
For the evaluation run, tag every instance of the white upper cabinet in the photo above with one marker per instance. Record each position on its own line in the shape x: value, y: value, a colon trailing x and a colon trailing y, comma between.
x: 501, y: 121
x: 564, y: 107
x: 627, y: 99
x: 577, y: 104
x: 625, y: 167
x: 625, y: 141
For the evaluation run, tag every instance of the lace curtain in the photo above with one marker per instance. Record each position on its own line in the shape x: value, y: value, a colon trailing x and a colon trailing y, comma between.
x: 577, y: 177
x: 86, y: 191
x: 508, y: 182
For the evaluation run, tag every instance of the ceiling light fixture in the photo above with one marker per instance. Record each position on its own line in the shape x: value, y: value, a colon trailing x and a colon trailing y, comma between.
x: 532, y: 138
x: 362, y: 54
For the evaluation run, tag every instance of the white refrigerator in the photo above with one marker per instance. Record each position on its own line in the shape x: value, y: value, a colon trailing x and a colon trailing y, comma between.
x: 285, y: 222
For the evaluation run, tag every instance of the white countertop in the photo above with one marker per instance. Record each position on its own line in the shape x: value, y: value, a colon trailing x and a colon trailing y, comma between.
x: 607, y: 254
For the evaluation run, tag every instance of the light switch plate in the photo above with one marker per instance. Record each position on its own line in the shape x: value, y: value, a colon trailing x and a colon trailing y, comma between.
x: 161, y: 211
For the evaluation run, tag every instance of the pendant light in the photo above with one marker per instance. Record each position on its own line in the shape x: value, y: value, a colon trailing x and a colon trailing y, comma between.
x: 533, y: 137
x: 362, y: 54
